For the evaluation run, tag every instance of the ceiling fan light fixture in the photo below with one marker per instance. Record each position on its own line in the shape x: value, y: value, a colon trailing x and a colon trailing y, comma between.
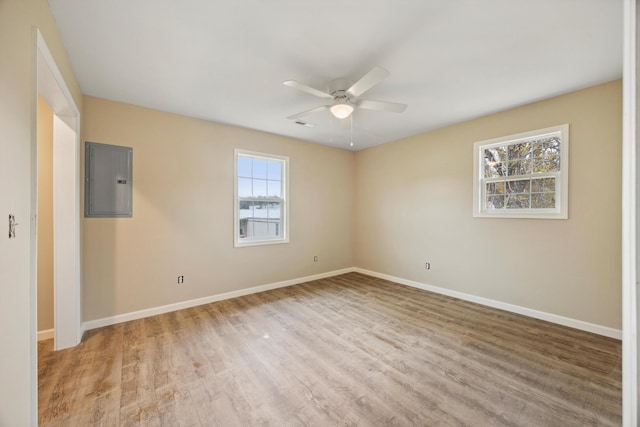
x: 341, y: 110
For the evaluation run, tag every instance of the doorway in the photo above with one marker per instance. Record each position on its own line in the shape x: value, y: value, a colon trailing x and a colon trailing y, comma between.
x: 52, y: 89
x: 45, y: 219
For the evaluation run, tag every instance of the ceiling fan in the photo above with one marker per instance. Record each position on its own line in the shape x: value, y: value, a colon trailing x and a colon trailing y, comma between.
x: 345, y: 95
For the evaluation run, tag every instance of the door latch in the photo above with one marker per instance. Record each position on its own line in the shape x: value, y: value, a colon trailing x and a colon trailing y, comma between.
x: 12, y: 226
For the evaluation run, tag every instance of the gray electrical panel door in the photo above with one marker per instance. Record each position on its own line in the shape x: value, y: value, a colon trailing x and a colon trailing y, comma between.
x: 108, y: 181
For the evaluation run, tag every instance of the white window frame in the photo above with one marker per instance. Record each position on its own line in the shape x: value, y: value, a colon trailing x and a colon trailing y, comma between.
x: 284, y: 207
x: 561, y: 211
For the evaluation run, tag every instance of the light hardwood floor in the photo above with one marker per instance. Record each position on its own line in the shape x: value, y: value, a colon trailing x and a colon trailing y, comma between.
x: 348, y: 350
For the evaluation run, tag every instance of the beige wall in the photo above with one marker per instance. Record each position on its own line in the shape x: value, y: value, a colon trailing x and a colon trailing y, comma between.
x: 45, y: 216
x: 410, y: 202
x: 183, y: 212
x: 414, y: 204
x: 18, y: 369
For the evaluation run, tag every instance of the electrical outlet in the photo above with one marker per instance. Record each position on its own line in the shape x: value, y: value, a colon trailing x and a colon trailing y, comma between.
x: 427, y: 266
x: 315, y: 258
x: 180, y: 280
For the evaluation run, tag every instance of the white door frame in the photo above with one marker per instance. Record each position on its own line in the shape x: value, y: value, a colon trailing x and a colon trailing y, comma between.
x: 66, y: 200
x: 630, y: 218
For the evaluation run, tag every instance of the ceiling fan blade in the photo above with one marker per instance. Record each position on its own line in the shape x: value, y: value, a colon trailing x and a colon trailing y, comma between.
x: 308, y: 89
x: 311, y: 111
x: 392, y: 107
x: 369, y: 80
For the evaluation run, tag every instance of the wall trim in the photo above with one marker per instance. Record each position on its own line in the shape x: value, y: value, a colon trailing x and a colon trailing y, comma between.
x: 120, y: 318
x: 529, y: 312
x: 549, y: 317
x: 45, y: 334
x: 66, y: 196
x: 630, y: 213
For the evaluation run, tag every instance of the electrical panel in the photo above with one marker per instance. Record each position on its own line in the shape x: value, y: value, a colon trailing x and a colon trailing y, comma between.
x: 108, y: 181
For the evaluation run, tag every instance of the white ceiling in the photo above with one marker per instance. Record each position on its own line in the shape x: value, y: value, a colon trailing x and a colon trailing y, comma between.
x: 450, y: 61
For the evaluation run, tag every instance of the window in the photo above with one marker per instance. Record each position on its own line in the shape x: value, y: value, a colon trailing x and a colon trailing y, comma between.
x: 261, y: 213
x: 522, y: 176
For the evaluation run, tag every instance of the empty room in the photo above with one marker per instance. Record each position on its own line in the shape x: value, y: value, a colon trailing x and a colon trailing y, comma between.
x: 332, y: 213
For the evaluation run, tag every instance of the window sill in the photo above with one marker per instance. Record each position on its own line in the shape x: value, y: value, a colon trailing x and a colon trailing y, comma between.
x: 259, y: 243
x: 523, y: 215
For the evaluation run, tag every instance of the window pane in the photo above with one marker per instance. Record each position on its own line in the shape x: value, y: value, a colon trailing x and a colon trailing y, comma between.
x: 274, y: 188
x: 244, y: 187
x: 246, y: 209
x: 552, y: 145
x: 243, y: 228
x: 537, y: 185
x: 265, y: 221
x: 274, y: 170
x: 550, y: 184
x: 521, y: 150
x: 518, y: 201
x: 538, y: 150
x: 494, y: 155
x: 260, y: 168
x: 273, y: 211
x: 543, y: 201
x: 493, y: 162
x: 495, y: 188
x: 546, y: 165
x: 259, y: 188
x: 519, y: 167
x: 260, y: 209
x: 494, y: 170
x: 520, y: 186
x: 495, y: 202
x: 543, y: 149
x: 244, y: 166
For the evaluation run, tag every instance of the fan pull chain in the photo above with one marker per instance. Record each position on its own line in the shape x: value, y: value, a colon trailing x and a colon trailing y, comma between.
x: 330, y: 128
x: 351, y: 144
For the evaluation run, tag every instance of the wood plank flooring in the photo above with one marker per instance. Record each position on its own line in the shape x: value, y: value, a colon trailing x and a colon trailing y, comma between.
x: 347, y: 350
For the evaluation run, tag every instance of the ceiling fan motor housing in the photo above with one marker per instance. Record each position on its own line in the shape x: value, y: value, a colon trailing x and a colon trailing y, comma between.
x: 338, y: 87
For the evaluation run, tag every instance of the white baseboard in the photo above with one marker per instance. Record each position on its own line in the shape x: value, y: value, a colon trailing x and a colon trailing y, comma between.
x: 554, y: 318
x: 45, y: 335
x: 112, y: 320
